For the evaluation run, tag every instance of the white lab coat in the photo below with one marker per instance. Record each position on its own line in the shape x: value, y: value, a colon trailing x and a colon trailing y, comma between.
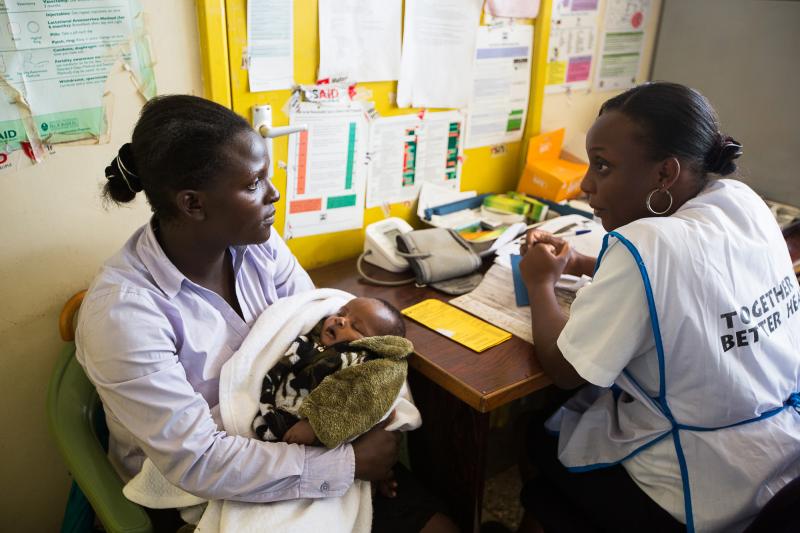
x: 715, y: 399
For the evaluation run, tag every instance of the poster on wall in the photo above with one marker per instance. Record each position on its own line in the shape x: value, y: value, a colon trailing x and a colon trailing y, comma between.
x: 500, y: 85
x: 270, y: 45
x: 623, y: 43
x: 359, y: 40
x: 406, y: 151
x: 438, y: 50
x: 326, y: 174
x: 571, y: 49
x: 55, y: 57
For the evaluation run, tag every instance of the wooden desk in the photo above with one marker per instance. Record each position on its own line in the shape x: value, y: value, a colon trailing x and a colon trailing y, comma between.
x: 454, y: 388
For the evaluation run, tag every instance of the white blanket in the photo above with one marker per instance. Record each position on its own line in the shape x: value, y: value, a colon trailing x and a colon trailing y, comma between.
x: 240, y: 388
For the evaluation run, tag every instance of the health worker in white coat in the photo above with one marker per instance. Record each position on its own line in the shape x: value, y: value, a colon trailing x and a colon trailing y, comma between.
x: 688, y: 337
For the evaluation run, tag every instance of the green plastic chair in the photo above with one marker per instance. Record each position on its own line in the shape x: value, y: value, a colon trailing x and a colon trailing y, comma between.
x: 75, y: 416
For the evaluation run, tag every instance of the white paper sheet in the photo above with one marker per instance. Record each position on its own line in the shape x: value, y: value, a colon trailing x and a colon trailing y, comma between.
x: 406, y: 151
x: 587, y: 244
x: 623, y: 41
x: 270, y: 44
x: 494, y: 301
x: 360, y: 39
x: 432, y: 195
x: 500, y: 85
x: 325, y: 174
x: 571, y: 50
x: 438, y: 50
x: 512, y: 8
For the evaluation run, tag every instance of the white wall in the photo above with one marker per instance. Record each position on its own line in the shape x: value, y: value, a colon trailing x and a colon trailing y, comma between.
x: 739, y: 53
x: 576, y: 111
x: 55, y: 233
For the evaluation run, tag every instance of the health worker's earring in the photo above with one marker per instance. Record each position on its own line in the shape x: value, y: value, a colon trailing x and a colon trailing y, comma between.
x: 650, y: 198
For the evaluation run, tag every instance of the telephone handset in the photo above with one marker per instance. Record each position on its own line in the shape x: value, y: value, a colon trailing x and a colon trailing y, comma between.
x: 380, y: 245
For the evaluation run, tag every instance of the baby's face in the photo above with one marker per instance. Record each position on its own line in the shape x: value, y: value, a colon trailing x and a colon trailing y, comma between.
x: 358, y: 318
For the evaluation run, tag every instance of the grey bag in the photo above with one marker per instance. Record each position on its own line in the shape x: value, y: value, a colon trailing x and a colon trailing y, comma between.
x: 438, y: 257
x: 437, y: 254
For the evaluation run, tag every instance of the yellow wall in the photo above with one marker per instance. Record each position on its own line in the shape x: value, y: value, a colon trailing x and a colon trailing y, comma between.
x: 55, y: 234
x: 480, y: 171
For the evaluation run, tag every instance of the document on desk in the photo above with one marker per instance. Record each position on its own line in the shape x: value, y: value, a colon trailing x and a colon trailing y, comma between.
x: 459, y: 326
x: 270, y: 44
x: 438, y: 51
x: 588, y: 243
x: 494, y: 301
x: 360, y: 39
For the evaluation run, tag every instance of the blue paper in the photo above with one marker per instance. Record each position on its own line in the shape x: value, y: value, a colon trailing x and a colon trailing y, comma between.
x: 520, y: 291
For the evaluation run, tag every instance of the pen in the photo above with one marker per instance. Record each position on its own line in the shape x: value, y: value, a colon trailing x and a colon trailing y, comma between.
x: 573, y: 233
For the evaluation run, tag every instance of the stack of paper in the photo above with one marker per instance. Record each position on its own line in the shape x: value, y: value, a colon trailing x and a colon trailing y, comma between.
x: 587, y: 243
x: 494, y: 301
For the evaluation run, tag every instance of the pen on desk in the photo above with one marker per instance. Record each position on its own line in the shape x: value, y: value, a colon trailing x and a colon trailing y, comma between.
x: 573, y: 233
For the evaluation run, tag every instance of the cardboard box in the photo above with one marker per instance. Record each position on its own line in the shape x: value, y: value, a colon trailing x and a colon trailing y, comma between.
x: 548, y: 176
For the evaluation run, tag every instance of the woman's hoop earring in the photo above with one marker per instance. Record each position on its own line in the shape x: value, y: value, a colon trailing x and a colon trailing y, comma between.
x: 650, y: 197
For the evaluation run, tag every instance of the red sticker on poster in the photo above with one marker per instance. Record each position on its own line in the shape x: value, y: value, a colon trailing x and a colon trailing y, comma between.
x: 636, y: 19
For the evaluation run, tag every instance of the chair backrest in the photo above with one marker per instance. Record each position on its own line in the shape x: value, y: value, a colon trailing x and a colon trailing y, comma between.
x: 66, y: 320
x: 72, y: 410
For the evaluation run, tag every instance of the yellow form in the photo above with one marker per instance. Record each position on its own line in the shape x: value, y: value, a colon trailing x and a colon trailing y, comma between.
x: 454, y: 323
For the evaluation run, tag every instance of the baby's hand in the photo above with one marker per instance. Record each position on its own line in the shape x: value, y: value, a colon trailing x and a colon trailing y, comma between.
x: 300, y: 433
x: 387, y: 487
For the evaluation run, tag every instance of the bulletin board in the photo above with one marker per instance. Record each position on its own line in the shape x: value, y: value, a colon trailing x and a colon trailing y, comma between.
x: 223, y: 34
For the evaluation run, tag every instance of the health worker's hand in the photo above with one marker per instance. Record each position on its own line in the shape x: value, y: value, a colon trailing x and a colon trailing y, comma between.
x: 376, y: 452
x: 543, y: 263
x: 577, y: 264
x: 535, y: 236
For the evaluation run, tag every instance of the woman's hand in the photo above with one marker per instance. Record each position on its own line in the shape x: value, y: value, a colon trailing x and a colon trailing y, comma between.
x: 577, y: 263
x: 535, y: 236
x: 543, y: 263
x: 376, y: 452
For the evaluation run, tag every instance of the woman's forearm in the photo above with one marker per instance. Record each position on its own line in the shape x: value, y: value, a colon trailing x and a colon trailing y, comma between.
x: 581, y: 265
x: 547, y: 322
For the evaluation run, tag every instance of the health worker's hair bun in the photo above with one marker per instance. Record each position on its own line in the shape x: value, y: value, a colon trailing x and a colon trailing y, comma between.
x: 721, y: 158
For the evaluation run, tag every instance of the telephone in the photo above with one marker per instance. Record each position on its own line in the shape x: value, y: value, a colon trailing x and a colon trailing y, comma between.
x: 380, y: 245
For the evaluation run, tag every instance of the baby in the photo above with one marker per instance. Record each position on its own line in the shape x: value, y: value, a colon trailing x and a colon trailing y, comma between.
x: 337, y: 381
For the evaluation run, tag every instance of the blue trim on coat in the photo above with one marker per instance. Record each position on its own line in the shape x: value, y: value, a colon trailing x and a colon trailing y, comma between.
x: 598, y: 466
x: 662, y: 375
x: 762, y: 416
x: 660, y: 402
x: 662, y: 385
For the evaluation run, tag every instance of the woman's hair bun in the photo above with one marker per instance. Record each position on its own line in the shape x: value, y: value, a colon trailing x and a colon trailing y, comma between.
x: 123, y: 180
x: 721, y: 158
